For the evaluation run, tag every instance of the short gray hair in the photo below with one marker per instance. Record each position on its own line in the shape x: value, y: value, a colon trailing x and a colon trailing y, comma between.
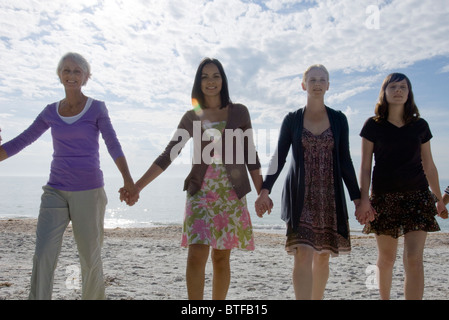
x: 79, y: 60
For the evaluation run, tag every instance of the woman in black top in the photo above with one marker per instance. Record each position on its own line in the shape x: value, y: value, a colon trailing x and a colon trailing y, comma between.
x: 403, y: 204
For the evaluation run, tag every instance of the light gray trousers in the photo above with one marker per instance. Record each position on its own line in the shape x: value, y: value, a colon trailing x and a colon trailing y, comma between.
x: 86, y: 211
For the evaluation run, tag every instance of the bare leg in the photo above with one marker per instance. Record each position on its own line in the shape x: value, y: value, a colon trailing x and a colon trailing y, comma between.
x: 196, y: 265
x: 387, y: 248
x: 222, y: 273
x: 413, y: 264
x: 302, y: 273
x: 320, y: 271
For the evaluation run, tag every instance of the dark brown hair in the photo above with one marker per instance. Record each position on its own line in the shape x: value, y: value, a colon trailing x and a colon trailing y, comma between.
x: 198, y: 94
x: 411, y: 112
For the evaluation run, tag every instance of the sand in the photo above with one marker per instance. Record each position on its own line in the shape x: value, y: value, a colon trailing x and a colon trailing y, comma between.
x: 149, y: 264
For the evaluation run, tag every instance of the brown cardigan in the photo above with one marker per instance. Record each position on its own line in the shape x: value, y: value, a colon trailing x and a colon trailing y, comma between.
x: 238, y: 118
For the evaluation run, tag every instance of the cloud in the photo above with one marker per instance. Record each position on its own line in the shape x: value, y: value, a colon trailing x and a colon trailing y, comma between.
x: 445, y: 69
x: 148, y: 50
x: 144, y: 54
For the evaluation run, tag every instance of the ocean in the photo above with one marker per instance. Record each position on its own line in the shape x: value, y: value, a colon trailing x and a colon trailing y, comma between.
x: 161, y: 203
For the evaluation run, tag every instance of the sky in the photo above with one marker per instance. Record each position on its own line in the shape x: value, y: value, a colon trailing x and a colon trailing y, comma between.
x: 144, y: 55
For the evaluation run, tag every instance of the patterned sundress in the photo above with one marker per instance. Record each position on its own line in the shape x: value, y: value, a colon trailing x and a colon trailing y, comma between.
x: 318, y: 221
x: 215, y: 216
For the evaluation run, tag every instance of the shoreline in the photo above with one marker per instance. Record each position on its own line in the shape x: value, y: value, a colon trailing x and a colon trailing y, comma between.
x: 149, y: 264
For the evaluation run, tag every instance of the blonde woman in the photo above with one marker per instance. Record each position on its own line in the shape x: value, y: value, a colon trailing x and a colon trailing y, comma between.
x: 313, y: 201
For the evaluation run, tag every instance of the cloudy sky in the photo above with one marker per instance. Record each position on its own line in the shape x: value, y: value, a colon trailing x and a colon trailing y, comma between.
x: 144, y: 55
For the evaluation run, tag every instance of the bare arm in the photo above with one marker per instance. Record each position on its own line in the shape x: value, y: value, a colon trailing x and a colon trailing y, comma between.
x: 432, y: 177
x: 3, y: 154
x: 365, y: 181
x: 152, y: 173
x: 446, y: 198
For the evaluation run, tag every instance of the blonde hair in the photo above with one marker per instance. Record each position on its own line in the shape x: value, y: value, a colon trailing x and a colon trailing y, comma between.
x: 314, y: 66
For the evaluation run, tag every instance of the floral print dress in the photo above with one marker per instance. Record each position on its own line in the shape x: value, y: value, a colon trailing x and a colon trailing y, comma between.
x: 215, y: 216
x: 318, y: 221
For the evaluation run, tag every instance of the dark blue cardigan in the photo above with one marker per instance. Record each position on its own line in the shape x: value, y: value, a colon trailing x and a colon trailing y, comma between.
x: 293, y: 193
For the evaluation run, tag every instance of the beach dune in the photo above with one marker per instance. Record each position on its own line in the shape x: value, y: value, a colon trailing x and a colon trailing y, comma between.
x: 149, y: 264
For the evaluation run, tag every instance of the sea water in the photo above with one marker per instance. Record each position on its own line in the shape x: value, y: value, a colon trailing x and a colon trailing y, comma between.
x: 161, y: 203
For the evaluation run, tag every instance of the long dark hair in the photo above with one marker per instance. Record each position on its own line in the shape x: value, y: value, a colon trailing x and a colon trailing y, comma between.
x: 411, y: 112
x: 198, y: 94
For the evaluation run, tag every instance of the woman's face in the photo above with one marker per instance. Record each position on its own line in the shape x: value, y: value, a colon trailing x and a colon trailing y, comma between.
x: 397, y: 92
x: 316, y: 83
x: 211, y: 80
x: 71, y: 75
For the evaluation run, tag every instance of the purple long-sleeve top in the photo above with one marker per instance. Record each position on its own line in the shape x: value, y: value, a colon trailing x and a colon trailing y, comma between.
x: 76, y: 159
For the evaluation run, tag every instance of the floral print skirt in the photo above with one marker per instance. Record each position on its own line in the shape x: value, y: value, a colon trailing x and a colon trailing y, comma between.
x: 215, y: 216
x: 402, y: 212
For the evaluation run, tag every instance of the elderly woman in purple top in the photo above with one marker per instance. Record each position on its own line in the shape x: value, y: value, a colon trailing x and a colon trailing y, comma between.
x: 74, y: 191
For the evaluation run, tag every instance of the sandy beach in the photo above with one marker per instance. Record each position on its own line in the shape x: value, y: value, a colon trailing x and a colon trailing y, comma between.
x: 149, y: 264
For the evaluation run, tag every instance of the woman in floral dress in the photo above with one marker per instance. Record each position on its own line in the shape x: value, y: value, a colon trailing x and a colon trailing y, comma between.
x: 313, y: 200
x: 216, y: 214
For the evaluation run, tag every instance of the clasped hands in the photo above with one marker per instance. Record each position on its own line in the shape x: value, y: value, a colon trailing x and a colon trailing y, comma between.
x: 263, y: 203
x: 364, y: 212
x: 129, y: 193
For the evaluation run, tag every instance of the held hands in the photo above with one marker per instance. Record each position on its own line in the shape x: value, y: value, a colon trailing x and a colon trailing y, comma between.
x: 364, y: 212
x: 263, y: 203
x: 129, y: 193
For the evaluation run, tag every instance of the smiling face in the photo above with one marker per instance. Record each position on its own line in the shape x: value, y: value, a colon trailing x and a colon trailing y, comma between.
x: 211, y: 80
x: 72, y: 75
x: 316, y: 82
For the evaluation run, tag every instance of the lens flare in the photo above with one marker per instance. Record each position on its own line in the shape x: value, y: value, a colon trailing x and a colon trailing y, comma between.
x: 196, y: 107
